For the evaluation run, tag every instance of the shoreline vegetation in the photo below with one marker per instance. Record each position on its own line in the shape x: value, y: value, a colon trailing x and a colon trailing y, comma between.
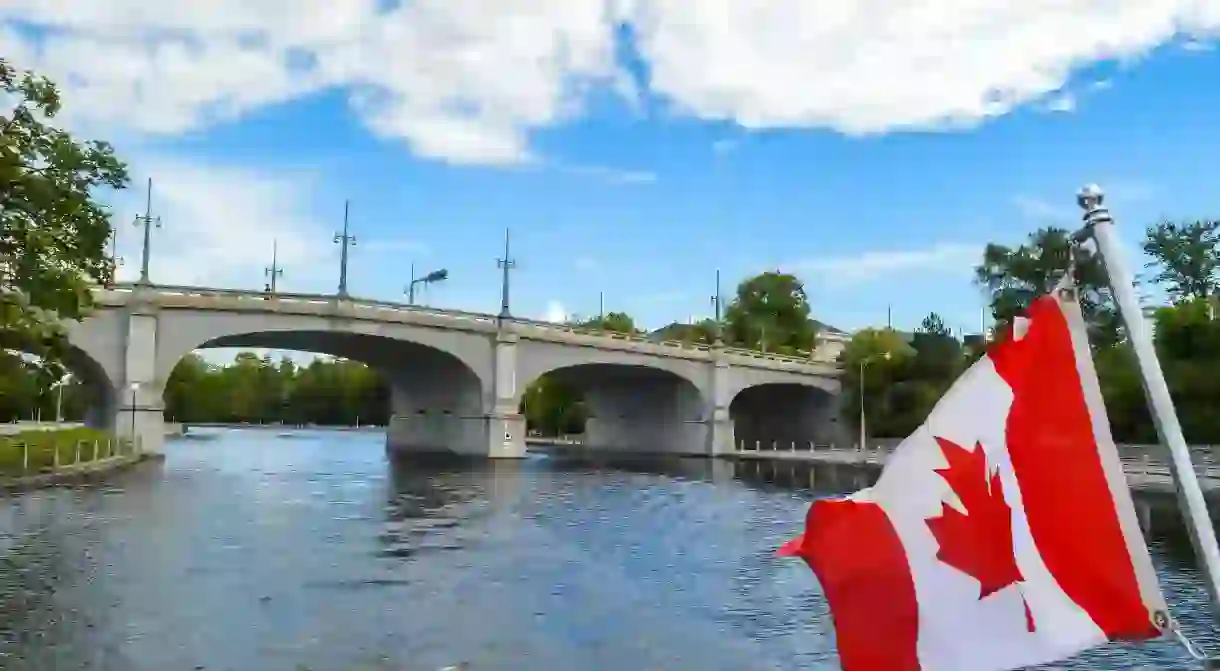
x: 40, y: 453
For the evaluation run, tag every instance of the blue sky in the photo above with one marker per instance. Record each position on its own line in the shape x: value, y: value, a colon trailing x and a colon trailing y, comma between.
x: 633, y: 148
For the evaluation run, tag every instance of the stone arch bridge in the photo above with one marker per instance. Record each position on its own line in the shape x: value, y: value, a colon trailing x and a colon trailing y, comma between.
x: 457, y: 378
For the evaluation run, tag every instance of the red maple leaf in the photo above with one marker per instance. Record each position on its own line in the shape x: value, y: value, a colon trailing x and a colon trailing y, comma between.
x: 979, y: 542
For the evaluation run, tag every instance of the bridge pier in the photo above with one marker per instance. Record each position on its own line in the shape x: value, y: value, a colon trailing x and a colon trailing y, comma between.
x: 139, y: 408
x: 439, y: 412
x: 719, y: 436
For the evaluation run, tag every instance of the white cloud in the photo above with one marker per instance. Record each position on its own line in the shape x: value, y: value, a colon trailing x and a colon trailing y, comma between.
x: 555, y: 312
x: 873, y: 265
x: 468, y: 81
x: 219, y: 225
x: 1198, y: 45
x: 1062, y: 102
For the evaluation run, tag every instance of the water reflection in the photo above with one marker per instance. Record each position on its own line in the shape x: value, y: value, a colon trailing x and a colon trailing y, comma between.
x: 250, y: 552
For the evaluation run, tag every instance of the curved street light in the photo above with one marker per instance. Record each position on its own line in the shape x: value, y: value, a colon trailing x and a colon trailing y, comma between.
x: 59, y: 398
x: 432, y: 277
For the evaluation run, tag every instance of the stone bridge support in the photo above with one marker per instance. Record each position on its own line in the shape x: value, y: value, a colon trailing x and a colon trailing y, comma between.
x: 439, y: 406
x: 138, y: 408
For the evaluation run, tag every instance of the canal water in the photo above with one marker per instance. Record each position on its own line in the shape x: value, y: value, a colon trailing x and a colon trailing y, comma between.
x: 249, y: 550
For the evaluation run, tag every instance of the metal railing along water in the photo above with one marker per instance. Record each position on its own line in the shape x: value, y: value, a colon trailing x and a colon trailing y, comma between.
x: 1136, y: 459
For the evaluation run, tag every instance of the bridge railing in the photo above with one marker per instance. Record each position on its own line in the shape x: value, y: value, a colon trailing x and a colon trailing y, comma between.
x: 803, y: 358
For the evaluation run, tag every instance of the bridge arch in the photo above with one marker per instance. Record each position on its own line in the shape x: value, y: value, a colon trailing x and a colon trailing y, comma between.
x: 97, y: 383
x: 784, y: 411
x: 182, y: 332
x: 630, y: 407
x: 435, y: 397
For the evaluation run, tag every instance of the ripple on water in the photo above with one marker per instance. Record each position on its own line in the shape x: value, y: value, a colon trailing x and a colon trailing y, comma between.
x: 245, y: 552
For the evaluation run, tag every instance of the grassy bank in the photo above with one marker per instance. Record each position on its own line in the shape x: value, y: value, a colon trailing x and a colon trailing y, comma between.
x: 33, y: 452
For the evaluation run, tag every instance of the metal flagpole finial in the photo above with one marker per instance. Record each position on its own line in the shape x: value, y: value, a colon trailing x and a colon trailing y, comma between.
x: 1090, y: 197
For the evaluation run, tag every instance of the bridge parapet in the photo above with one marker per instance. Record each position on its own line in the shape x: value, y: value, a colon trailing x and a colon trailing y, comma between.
x: 821, y: 361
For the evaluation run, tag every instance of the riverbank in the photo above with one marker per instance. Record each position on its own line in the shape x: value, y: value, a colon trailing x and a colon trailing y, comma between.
x: 39, y: 458
x: 92, y: 471
x: 12, y: 428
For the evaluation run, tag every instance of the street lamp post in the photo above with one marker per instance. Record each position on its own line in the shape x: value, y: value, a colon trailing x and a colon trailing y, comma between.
x: 59, y: 398
x: 434, y: 276
x: 147, y: 221
x: 273, y: 271
x: 719, y: 334
x: 505, y: 264
x: 864, y: 363
x: 115, y: 259
x: 601, y: 310
x: 346, y: 241
x: 135, y: 388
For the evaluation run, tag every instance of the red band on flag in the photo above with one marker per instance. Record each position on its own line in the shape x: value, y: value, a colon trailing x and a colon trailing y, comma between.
x: 864, y: 573
x: 1067, y: 499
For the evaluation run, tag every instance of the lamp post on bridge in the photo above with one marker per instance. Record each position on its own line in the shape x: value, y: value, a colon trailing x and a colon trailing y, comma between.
x: 134, y: 387
x: 115, y: 259
x: 719, y: 328
x: 434, y: 276
x: 346, y: 241
x: 147, y: 221
x: 863, y: 364
x: 506, y: 264
x: 273, y: 271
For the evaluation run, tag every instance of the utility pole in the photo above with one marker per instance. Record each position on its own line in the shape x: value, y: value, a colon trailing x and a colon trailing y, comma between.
x: 601, y: 309
x: 274, y: 271
x: 506, y: 264
x: 346, y: 241
x: 147, y: 221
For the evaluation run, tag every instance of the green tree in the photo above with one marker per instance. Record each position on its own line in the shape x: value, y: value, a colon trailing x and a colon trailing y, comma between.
x: 934, y: 324
x: 1186, y: 256
x: 553, y: 408
x: 615, y: 322
x: 53, y: 231
x: 1014, y: 276
x: 771, y: 311
x: 701, y: 332
x: 881, y: 355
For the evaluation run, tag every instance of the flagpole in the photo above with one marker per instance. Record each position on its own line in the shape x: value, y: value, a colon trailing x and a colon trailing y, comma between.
x: 1100, y: 226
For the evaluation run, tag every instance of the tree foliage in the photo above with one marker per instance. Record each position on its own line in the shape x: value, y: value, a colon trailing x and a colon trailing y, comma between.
x: 771, y: 312
x: 53, y: 230
x: 1013, y: 277
x: 1186, y: 257
x: 258, y: 390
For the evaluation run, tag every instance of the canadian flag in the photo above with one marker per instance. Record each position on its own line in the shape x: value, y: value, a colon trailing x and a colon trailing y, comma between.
x: 1002, y: 533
